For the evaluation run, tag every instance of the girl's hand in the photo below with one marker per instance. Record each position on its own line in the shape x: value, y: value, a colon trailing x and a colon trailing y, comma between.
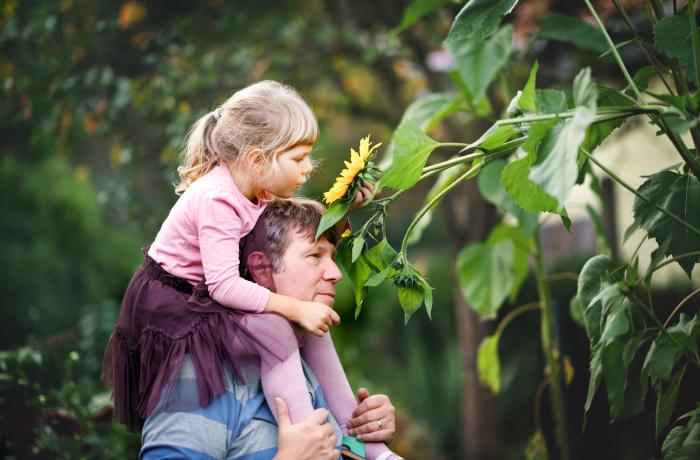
x: 315, y: 317
x: 363, y: 195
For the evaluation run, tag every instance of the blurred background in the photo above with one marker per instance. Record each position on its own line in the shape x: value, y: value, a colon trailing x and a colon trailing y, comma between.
x: 97, y: 97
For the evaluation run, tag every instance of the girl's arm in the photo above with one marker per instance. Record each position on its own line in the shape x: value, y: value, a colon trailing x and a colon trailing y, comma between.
x: 315, y: 317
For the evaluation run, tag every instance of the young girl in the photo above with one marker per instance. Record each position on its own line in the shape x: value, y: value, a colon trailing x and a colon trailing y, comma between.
x: 255, y: 147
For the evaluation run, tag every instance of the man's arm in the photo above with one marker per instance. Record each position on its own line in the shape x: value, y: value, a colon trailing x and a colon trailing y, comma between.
x: 374, y: 419
x: 308, y: 440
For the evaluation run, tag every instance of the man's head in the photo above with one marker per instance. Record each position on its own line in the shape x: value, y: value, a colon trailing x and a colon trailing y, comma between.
x: 281, y: 253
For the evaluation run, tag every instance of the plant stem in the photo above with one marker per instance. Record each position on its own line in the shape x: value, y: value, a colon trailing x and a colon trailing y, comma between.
x: 451, y: 162
x: 614, y: 52
x: 603, y: 112
x: 695, y: 41
x: 467, y: 175
x: 639, y: 195
x: 648, y: 52
x: 676, y: 259
x: 675, y: 310
x: 550, y: 351
x: 514, y: 314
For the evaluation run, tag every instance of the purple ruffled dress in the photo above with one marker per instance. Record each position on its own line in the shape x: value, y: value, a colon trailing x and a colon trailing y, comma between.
x: 162, y: 318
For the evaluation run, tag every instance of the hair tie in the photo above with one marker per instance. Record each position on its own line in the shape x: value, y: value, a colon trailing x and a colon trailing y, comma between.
x: 217, y: 114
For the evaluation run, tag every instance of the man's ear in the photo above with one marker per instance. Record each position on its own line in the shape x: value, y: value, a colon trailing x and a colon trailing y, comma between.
x: 260, y: 269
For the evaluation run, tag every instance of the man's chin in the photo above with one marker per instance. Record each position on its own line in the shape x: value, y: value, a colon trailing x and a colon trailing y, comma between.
x: 327, y: 299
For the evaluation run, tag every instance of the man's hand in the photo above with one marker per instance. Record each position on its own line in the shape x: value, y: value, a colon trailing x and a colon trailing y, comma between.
x: 374, y: 419
x: 315, y: 317
x: 312, y: 439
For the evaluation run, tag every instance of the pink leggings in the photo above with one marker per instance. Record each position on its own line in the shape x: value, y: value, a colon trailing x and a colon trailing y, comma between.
x: 285, y: 379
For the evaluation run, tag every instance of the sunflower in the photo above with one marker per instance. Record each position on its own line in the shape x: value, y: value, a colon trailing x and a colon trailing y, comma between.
x: 359, y: 168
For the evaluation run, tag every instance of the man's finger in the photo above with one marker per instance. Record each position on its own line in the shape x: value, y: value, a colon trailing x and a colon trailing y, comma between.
x: 368, y: 417
x: 371, y: 402
x: 318, y: 417
x: 362, y: 394
x: 376, y: 436
x: 282, y: 413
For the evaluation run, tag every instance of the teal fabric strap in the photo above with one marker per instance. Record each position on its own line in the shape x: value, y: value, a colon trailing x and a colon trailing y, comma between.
x: 355, y: 446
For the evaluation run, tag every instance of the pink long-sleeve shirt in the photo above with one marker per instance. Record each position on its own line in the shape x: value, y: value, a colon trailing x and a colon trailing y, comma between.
x: 199, y: 240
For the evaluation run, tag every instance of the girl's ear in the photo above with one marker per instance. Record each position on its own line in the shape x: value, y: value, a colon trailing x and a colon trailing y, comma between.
x: 255, y: 158
x: 260, y: 269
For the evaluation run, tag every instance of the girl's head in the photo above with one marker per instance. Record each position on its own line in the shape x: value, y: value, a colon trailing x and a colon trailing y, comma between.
x: 265, y: 130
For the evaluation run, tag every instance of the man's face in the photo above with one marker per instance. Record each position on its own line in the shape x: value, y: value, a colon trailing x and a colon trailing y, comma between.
x: 308, y: 270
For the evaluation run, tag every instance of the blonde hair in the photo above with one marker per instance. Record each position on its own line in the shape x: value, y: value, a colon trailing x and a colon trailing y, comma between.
x: 266, y: 115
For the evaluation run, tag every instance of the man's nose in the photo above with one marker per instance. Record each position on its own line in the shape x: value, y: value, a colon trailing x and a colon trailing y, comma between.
x: 332, y: 272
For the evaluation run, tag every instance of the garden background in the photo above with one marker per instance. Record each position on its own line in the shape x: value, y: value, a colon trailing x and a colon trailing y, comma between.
x: 97, y: 97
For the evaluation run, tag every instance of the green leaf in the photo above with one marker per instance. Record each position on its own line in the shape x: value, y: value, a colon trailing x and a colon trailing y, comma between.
x: 332, y: 216
x: 485, y: 276
x: 666, y: 400
x: 596, y: 370
x: 358, y: 244
x: 576, y: 311
x: 661, y: 357
x: 493, y: 191
x: 558, y: 169
x: 615, y: 376
x: 527, y: 100
x: 572, y: 30
x: 683, y: 442
x: 641, y: 79
x: 616, y: 323
x: 521, y: 252
x: 428, y: 111
x: 479, y: 19
x: 678, y: 194
x: 598, y: 132
x: 410, y: 298
x: 358, y: 272
x: 595, y: 276
x: 412, y: 148
x: 416, y: 10
x: 536, y: 448
x: 550, y: 100
x: 478, y: 61
x: 488, y: 364
x: 672, y: 37
x: 603, y: 242
x: 528, y: 195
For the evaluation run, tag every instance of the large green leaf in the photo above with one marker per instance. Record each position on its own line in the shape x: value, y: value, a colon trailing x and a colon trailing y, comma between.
x: 479, y: 19
x: 595, y: 275
x: 683, y: 442
x: 527, y: 194
x: 527, y: 101
x: 672, y: 37
x: 678, y: 194
x: 331, y: 216
x: 485, y: 275
x: 410, y: 298
x: 427, y: 111
x: 666, y: 400
x: 521, y: 251
x: 493, y: 191
x: 416, y: 10
x: 572, y: 30
x: 488, y: 364
x: 478, y: 61
x: 557, y: 168
x: 412, y: 147
x: 667, y: 349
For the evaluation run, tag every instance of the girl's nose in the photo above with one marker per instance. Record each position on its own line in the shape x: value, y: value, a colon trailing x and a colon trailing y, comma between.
x: 307, y: 167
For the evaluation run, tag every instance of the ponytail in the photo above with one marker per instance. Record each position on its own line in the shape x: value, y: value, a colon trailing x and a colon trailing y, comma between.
x: 199, y: 156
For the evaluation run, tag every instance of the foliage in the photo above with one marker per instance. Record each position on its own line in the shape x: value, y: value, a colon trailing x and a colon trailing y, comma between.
x: 548, y: 138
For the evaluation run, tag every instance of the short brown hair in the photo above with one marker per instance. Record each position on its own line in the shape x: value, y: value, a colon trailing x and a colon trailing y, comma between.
x: 273, y: 231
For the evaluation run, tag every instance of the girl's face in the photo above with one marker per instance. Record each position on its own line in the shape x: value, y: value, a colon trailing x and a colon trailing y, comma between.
x: 293, y: 169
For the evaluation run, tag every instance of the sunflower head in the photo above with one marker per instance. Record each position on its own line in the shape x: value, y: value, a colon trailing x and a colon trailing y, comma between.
x: 360, y: 167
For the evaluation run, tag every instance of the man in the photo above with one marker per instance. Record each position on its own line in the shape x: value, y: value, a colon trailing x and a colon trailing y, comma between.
x: 282, y: 255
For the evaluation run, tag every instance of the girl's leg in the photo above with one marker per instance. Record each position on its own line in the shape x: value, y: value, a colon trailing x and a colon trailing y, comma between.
x: 284, y: 379
x: 320, y: 355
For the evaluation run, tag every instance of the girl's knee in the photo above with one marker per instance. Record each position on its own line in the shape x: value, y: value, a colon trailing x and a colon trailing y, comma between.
x: 274, y: 328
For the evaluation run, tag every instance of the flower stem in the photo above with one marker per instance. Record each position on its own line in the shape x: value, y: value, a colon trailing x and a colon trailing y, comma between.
x: 514, y: 314
x: 550, y: 351
x: 617, y: 179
